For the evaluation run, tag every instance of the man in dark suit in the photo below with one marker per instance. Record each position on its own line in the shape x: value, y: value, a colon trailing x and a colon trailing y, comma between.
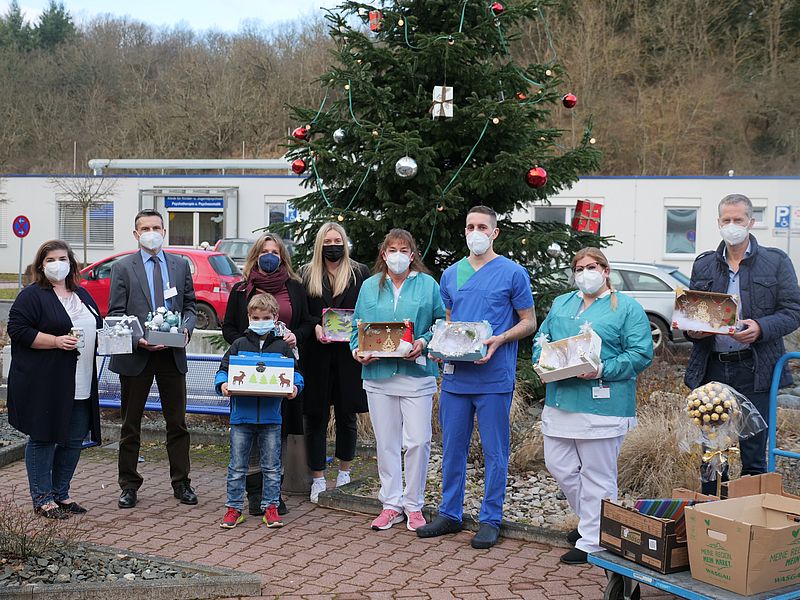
x: 141, y: 283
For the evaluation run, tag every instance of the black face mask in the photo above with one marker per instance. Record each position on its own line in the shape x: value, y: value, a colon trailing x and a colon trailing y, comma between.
x: 334, y: 252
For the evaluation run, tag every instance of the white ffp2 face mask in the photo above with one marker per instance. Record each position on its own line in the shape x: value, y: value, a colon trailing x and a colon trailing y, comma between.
x: 478, y: 242
x: 734, y: 234
x: 590, y: 281
x: 398, y: 262
x: 152, y: 240
x: 56, y: 270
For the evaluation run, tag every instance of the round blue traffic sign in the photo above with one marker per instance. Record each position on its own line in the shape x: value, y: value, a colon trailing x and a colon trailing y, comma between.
x: 21, y: 226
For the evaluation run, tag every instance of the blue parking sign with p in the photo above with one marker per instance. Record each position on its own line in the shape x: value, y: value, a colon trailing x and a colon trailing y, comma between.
x: 783, y: 217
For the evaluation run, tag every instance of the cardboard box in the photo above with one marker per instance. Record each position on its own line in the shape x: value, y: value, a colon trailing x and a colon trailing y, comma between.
x: 582, y: 351
x: 745, y: 545
x: 705, y: 311
x: 337, y: 324
x: 382, y: 339
x: 646, y: 540
x: 459, y: 340
x: 165, y: 338
x: 752, y: 485
x: 253, y: 374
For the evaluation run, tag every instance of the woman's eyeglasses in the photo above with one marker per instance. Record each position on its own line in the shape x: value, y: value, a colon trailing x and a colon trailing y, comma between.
x: 590, y: 267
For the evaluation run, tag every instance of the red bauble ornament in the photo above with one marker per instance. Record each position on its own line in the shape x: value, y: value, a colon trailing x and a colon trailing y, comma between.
x: 536, y: 177
x: 497, y: 8
x: 298, y: 166
x: 300, y: 133
x: 569, y: 100
x: 521, y: 96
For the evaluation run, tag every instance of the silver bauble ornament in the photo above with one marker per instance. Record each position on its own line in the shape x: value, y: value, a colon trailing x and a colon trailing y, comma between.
x: 339, y: 135
x: 406, y: 167
x: 554, y: 250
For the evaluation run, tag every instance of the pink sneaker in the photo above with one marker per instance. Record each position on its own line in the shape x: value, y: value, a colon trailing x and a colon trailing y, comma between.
x: 386, y: 519
x: 415, y: 520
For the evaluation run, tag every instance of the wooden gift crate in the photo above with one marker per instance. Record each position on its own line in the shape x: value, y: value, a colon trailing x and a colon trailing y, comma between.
x: 710, y: 312
x: 381, y: 339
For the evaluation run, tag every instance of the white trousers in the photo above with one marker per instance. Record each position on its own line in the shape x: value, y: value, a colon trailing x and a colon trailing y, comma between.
x: 402, y: 423
x: 586, y: 471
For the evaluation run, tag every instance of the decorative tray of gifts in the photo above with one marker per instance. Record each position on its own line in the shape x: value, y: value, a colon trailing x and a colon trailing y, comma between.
x: 254, y: 374
x: 164, y: 327
x: 710, y: 312
x: 459, y: 340
x: 116, y: 336
x: 570, y: 357
x: 385, y: 339
x: 337, y: 324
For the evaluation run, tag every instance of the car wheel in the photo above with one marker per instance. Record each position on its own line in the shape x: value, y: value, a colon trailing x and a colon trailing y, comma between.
x: 659, y: 331
x: 206, y: 317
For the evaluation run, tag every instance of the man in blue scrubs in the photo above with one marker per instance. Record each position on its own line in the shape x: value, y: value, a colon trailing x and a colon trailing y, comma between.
x: 481, y: 286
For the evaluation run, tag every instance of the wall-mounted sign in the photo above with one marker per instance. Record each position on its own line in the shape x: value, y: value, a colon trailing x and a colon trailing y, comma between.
x: 194, y: 202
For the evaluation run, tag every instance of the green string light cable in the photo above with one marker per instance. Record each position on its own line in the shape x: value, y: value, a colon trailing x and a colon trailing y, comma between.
x: 350, y: 103
x: 319, y: 183
x: 363, y: 180
x: 321, y: 106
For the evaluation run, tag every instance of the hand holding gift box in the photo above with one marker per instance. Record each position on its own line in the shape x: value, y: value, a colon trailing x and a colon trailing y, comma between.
x: 707, y: 312
x: 164, y: 327
x: 459, y: 340
x: 570, y: 357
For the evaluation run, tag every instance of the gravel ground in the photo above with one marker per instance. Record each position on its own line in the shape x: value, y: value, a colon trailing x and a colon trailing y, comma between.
x: 80, y: 564
x: 9, y: 435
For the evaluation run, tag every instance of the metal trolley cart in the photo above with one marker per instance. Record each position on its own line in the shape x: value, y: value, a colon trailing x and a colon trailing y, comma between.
x: 624, y: 576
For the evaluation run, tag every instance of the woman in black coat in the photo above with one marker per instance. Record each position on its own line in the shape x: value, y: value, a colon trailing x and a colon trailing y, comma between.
x: 332, y: 377
x: 268, y: 268
x: 52, y: 381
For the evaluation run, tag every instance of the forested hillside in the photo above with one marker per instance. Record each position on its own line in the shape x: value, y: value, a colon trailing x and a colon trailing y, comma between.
x: 676, y: 87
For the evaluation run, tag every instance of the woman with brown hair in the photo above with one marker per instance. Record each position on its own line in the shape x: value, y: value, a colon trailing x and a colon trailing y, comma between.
x: 332, y: 280
x: 586, y: 418
x: 268, y: 268
x: 400, y: 390
x: 52, y: 382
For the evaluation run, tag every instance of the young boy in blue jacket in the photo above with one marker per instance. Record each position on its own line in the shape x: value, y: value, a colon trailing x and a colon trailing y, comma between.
x: 256, y: 417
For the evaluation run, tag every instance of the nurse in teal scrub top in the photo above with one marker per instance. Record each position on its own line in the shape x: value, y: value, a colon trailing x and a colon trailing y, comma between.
x: 585, y: 418
x: 481, y: 286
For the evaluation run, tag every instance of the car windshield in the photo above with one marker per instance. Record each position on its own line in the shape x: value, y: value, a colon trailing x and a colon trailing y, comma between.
x: 223, y: 265
x: 236, y: 249
x: 680, y: 277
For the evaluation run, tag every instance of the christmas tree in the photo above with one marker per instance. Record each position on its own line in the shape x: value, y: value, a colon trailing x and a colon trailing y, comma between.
x: 426, y: 114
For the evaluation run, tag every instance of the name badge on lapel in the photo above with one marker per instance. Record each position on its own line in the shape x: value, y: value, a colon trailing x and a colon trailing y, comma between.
x: 170, y: 293
x: 601, y: 392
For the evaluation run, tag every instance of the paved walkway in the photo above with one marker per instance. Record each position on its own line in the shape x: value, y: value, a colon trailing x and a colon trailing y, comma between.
x: 319, y: 553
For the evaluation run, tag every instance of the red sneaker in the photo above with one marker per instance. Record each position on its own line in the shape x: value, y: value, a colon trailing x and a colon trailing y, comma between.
x: 232, y: 518
x: 271, y: 516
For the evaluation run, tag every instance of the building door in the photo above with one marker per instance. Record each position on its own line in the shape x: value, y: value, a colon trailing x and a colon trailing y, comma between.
x: 194, y: 220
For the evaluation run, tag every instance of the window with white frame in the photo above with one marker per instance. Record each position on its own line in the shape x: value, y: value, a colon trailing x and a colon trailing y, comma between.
x: 759, y: 214
x: 681, y: 235
x: 553, y: 214
x: 100, y: 222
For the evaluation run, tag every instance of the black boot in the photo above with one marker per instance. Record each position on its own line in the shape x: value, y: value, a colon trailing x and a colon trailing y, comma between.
x: 282, y: 510
x: 252, y: 484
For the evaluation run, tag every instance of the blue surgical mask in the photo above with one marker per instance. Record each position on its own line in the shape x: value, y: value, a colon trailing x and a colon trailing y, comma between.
x: 269, y: 263
x: 262, y: 327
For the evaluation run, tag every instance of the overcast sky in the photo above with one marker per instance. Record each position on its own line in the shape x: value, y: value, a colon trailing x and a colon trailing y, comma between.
x: 226, y: 15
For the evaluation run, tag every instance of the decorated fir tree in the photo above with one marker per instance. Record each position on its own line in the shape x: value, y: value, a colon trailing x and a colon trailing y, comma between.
x: 425, y: 114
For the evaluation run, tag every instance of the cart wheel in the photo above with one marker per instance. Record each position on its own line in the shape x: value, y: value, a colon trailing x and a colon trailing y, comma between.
x: 615, y: 589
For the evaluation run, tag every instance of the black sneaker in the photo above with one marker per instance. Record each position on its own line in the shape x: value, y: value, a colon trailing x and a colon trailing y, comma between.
x: 573, y: 536
x: 486, y: 537
x: 439, y: 526
x: 282, y: 510
x: 574, y: 557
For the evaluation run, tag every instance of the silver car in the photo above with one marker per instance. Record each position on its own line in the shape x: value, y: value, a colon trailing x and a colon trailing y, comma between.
x: 653, y: 285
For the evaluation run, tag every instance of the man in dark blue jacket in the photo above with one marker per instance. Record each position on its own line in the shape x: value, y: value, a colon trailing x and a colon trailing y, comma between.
x: 765, y: 281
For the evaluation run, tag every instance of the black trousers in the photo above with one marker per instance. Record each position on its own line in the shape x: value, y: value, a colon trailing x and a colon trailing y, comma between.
x: 316, y: 437
x: 172, y: 390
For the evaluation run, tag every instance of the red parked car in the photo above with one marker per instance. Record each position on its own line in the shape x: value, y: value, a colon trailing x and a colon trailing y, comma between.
x: 213, y: 274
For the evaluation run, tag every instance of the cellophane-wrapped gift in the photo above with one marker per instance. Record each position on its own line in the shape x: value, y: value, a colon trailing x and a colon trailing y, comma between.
x: 718, y: 417
x: 459, y: 340
x: 569, y: 357
x: 116, y: 336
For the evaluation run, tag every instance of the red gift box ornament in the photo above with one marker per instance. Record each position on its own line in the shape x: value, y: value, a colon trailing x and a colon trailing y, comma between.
x: 587, y: 216
x: 375, y: 20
